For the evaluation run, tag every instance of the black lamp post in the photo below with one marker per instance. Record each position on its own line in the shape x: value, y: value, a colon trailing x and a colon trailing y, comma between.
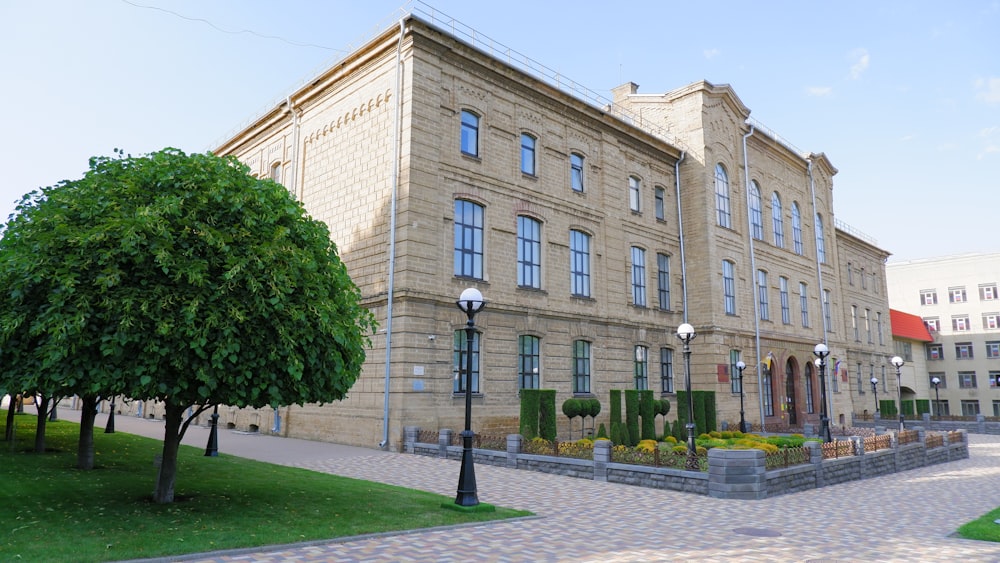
x: 898, y: 363
x: 937, y: 398
x: 470, y: 302
x: 686, y: 333
x: 874, y: 381
x: 740, y: 366
x: 109, y: 428
x: 821, y: 352
x: 212, y: 449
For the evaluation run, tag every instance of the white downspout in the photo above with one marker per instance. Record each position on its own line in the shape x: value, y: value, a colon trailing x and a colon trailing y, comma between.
x: 397, y: 125
x: 680, y: 233
x: 753, y: 277
x: 819, y: 281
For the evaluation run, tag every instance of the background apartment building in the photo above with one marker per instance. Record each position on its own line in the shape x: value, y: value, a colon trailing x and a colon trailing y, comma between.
x: 591, y: 233
x: 957, y: 299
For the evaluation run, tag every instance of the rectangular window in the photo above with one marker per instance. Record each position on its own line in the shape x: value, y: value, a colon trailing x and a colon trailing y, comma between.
x: 970, y: 407
x: 868, y: 325
x: 996, y: 408
x: 904, y: 350
x: 854, y: 323
x: 834, y: 375
x: 638, y: 277
x: 634, y: 191
x: 470, y: 133
x: 960, y: 323
x: 864, y: 279
x: 885, y: 381
x: 991, y: 321
x: 966, y: 380
x: 641, y: 368
x: 963, y: 351
x: 994, y: 378
x: 528, y: 361
x: 576, y: 172
x: 735, y: 383
x: 956, y: 294
x: 459, y: 359
x: 663, y: 280
x: 529, y: 252
x: 988, y: 292
x: 850, y: 274
x: 527, y: 154
x: 786, y: 309
x: 810, y: 406
x: 993, y: 349
x: 804, y: 303
x: 659, y: 200
x: 579, y: 256
x: 827, y: 315
x: 942, y: 382
x: 468, y: 239
x: 928, y: 297
x: 768, y: 397
x: 666, y: 370
x: 765, y: 312
x: 935, y: 352
x: 941, y: 408
x: 581, y: 366
x: 933, y: 324
x: 729, y: 287
x: 861, y: 383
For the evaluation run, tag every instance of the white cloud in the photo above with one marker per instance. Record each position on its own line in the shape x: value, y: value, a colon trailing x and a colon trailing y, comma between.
x: 819, y: 91
x: 861, y: 61
x: 906, y: 138
x: 711, y: 53
x: 988, y: 90
x: 989, y: 131
x: 991, y: 149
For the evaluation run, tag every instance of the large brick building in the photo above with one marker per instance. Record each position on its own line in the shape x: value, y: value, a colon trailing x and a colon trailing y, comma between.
x: 592, y: 232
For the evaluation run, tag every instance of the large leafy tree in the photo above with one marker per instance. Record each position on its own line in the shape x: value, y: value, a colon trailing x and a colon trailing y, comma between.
x: 179, y: 278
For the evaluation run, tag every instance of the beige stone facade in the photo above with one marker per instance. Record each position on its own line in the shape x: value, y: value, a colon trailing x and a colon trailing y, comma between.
x: 373, y: 147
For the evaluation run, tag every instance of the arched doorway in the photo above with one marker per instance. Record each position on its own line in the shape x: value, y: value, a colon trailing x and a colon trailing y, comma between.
x: 790, y: 403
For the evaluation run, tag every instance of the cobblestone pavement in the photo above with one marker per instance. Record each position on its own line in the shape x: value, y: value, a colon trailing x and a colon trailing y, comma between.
x: 902, y: 517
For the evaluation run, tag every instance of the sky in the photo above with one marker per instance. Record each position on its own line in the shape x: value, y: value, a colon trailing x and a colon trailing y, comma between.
x: 903, y: 97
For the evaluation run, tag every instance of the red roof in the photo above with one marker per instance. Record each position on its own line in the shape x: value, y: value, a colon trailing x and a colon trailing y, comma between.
x: 910, y: 327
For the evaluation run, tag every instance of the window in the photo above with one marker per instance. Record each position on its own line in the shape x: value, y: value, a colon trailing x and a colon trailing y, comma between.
x: 276, y: 172
x: 993, y: 349
x: 996, y: 408
x: 658, y: 198
x: 956, y: 295
x: 991, y: 321
x: 861, y: 384
x: 529, y: 252
x: 722, y: 197
x: 885, y: 381
x: 666, y: 370
x: 933, y: 324
x: 834, y: 373
x: 765, y: 313
x: 777, y: 222
x: 827, y: 315
x: 994, y: 378
x: 868, y: 325
x: 988, y: 292
x: 638, y: 277
x: 460, y: 358
x: 768, y: 398
x: 735, y: 381
x: 820, y: 240
x: 963, y: 351
x: 470, y: 133
x: 527, y: 154
x: 468, y: 239
x: 796, y: 229
x: 935, y: 352
x: 804, y: 303
x: 970, y: 407
x: 528, y: 361
x: 864, y: 280
x: 663, y: 280
x: 729, y: 287
x: 786, y: 309
x: 581, y: 366
x: 904, y: 350
x: 854, y: 323
x: 941, y: 408
x: 928, y: 297
x: 960, y: 323
x: 810, y: 407
x: 634, y: 191
x: 641, y: 367
x: 878, y: 328
x: 576, y: 172
x: 579, y: 256
x: 940, y: 375
x: 756, y: 216
x: 850, y: 274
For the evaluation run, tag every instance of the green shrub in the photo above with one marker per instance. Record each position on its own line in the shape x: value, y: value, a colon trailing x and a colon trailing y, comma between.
x: 571, y: 408
x: 616, y: 405
x: 647, y: 412
x: 528, y: 425
x: 602, y: 432
x: 632, y: 415
x: 547, y: 414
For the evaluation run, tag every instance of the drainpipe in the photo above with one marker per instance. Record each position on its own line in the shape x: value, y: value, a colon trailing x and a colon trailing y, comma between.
x: 680, y: 233
x: 295, y: 148
x: 819, y: 276
x: 396, y: 120
x: 753, y: 277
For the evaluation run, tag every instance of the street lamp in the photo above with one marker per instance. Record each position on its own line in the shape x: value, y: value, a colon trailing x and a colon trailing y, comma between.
x: 874, y: 381
x: 686, y: 333
x: 937, y: 398
x: 898, y: 362
x: 740, y: 366
x: 821, y: 352
x: 470, y: 302
x: 212, y: 448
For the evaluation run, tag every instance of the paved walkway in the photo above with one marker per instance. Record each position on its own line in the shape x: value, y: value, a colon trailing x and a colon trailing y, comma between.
x: 903, y: 517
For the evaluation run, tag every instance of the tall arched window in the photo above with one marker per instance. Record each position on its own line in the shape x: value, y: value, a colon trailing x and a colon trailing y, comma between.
x: 796, y: 228
x: 820, y: 240
x: 756, y: 217
x: 777, y: 221
x: 722, y: 197
x: 468, y: 239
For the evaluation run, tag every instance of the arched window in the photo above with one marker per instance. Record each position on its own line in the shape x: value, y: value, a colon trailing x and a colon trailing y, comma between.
x: 777, y: 221
x: 527, y: 154
x: 634, y: 189
x: 756, y: 217
x: 276, y: 172
x: 529, y: 252
x: 576, y: 172
x: 468, y: 239
x: 722, y: 197
x: 796, y: 228
x: 470, y: 133
x: 820, y: 240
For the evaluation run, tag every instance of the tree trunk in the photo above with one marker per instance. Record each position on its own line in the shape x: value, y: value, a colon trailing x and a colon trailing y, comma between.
x: 43, y: 417
x: 85, y: 446
x: 11, y: 408
x: 164, y: 492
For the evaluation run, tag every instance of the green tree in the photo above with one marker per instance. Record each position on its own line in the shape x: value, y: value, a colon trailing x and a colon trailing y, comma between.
x: 179, y: 278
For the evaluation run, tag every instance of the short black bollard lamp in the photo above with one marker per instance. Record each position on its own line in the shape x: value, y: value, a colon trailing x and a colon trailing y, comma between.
x: 897, y: 362
x: 109, y: 428
x: 874, y: 381
x: 936, y: 381
x: 212, y: 449
x: 821, y: 352
x: 686, y: 333
x: 740, y: 366
x: 471, y: 302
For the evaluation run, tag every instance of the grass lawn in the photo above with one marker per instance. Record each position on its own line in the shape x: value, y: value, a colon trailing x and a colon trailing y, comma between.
x: 982, y: 528
x: 52, y: 511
